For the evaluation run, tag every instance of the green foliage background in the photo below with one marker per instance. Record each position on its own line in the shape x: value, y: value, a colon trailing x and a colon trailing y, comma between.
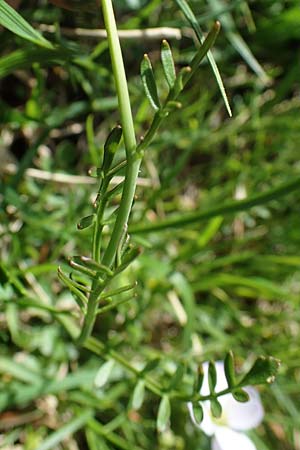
x: 236, y: 275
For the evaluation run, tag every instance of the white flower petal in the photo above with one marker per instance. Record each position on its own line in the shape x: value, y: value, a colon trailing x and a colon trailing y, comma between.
x: 221, y: 379
x: 207, y: 424
x: 227, y: 439
x: 236, y: 415
x: 244, y: 416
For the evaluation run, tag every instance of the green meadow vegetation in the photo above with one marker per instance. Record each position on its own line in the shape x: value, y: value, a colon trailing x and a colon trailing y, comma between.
x: 149, y: 220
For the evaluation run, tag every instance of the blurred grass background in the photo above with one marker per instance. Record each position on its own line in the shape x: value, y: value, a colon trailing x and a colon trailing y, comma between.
x: 236, y: 277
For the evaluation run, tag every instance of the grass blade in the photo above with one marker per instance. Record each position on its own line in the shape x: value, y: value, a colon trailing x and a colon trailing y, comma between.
x: 227, y: 208
x: 189, y: 15
x: 14, y: 22
x: 205, y: 47
x: 65, y: 431
x: 237, y: 41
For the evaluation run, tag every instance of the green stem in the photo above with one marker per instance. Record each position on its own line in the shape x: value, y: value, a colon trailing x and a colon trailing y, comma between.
x: 132, y: 167
x: 97, y: 347
x: 90, y: 317
x: 115, y: 439
x: 156, y: 122
x: 97, y: 232
x: 133, y: 161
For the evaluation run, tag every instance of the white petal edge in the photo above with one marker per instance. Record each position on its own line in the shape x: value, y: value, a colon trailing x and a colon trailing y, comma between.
x: 207, y: 425
x: 227, y: 439
x: 244, y: 416
x: 221, y: 379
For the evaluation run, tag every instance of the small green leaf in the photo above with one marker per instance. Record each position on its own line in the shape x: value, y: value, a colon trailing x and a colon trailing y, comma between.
x: 229, y: 369
x: 199, y: 379
x: 151, y: 365
x: 80, y: 298
x: 113, y: 139
x: 114, y: 170
x: 240, y: 396
x: 179, y: 83
x: 212, y: 376
x: 104, y: 373
x: 128, y: 257
x: 110, y: 147
x: 120, y: 290
x: 114, y: 191
x: 14, y: 22
x: 76, y: 264
x: 114, y: 304
x: 164, y: 412
x: 95, y: 172
x: 86, y: 222
x: 177, y: 377
x: 215, y: 408
x: 198, y: 413
x: 263, y: 371
x: 90, y: 136
x: 172, y: 105
x: 168, y: 63
x: 138, y: 395
x: 92, y: 264
x: 149, y: 82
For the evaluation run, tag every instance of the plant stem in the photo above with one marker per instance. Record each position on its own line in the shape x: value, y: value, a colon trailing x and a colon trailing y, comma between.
x: 132, y: 167
x: 97, y: 232
x: 97, y: 347
x: 133, y: 161
x: 89, y: 318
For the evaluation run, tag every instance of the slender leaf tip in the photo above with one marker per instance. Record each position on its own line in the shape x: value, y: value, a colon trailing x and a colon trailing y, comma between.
x: 217, y: 26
